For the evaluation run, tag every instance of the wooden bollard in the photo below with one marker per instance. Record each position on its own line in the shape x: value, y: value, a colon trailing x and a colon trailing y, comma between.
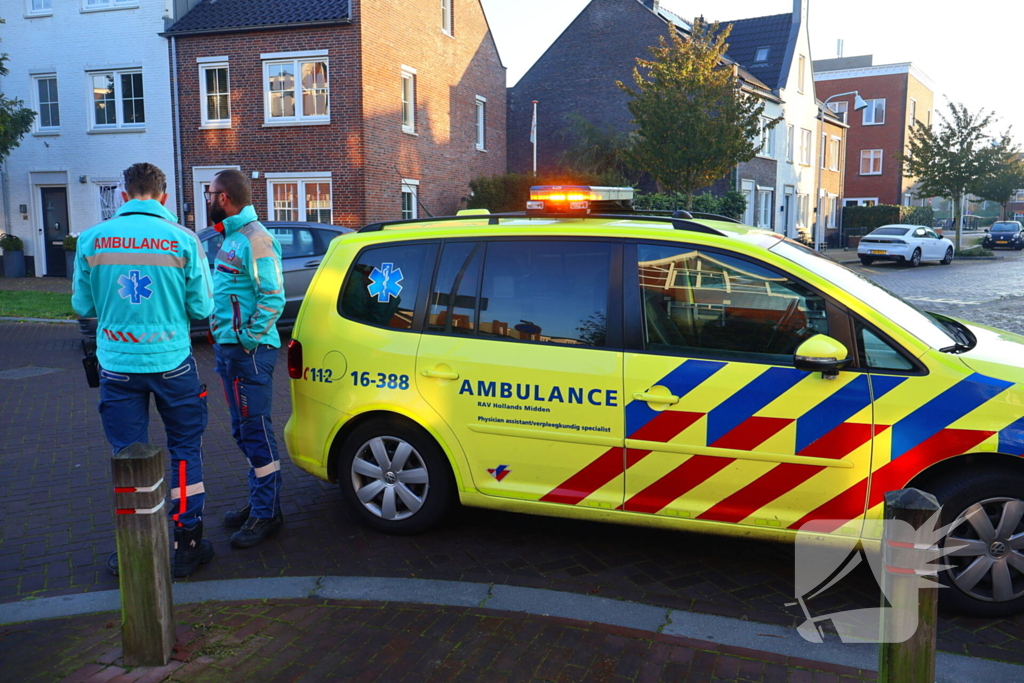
x: 147, y: 621
x: 914, y: 599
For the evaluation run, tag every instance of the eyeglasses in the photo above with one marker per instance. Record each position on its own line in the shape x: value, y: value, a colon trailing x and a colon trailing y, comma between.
x: 209, y: 195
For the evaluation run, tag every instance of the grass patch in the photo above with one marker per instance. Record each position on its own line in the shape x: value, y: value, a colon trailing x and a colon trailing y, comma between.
x: 36, y: 305
x: 974, y: 251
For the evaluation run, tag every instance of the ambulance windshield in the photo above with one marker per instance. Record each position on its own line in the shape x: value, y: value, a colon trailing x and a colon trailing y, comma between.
x: 914, y: 320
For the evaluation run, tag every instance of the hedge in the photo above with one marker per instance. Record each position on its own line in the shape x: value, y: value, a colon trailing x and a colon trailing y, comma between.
x: 870, y: 217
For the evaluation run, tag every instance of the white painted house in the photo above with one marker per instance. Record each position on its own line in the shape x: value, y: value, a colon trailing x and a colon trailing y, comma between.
x: 97, y: 72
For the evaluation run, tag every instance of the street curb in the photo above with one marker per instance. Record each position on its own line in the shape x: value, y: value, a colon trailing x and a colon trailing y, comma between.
x: 38, y: 320
x: 724, y: 631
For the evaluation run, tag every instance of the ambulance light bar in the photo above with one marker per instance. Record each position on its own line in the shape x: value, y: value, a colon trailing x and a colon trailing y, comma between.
x: 577, y: 200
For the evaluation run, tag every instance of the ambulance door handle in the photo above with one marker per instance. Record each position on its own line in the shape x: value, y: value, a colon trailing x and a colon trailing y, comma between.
x: 439, y: 374
x: 656, y: 398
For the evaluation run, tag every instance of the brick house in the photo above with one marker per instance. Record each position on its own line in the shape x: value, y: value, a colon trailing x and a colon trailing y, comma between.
x: 833, y: 171
x: 897, y: 95
x: 341, y: 111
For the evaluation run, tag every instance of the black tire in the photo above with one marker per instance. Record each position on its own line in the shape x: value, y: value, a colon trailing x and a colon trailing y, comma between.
x: 957, y: 494
x: 915, y: 259
x: 437, y: 493
x: 948, y: 258
x: 866, y: 260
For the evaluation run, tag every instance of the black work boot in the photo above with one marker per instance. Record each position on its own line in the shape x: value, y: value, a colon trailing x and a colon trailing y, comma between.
x: 256, y: 530
x: 234, y: 519
x: 190, y: 550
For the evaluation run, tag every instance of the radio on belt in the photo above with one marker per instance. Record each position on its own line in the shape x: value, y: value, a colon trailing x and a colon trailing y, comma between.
x: 578, y: 200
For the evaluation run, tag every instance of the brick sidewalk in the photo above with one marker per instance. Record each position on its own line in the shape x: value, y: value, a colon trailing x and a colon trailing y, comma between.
x: 305, y: 640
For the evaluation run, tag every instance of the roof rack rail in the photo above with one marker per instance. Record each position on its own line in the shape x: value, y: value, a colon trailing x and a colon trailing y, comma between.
x: 682, y: 213
x: 678, y: 223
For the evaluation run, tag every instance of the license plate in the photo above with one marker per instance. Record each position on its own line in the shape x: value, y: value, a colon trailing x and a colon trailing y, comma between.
x: 1000, y: 241
x: 879, y: 251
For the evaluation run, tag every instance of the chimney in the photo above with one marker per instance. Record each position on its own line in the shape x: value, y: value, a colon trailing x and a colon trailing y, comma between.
x: 650, y: 4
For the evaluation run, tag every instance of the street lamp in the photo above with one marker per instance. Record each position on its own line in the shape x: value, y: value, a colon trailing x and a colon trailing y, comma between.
x: 858, y: 104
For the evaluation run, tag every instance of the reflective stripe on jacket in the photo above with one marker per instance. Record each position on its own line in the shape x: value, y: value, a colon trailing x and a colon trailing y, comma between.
x: 248, y: 284
x: 142, y: 276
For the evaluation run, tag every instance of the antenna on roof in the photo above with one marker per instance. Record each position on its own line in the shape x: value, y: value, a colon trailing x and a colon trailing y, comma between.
x: 839, y: 49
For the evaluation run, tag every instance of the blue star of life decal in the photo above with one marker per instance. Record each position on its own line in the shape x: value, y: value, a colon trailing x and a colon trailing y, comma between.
x: 135, y: 286
x: 384, y: 282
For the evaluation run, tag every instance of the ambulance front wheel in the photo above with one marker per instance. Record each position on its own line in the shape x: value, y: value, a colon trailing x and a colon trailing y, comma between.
x: 986, y: 509
x: 395, y: 478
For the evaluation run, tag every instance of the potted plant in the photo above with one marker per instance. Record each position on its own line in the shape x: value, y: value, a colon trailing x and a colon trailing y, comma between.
x: 14, y: 255
x: 70, y: 247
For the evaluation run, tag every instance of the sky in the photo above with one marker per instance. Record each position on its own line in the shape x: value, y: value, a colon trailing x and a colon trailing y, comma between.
x: 970, y: 52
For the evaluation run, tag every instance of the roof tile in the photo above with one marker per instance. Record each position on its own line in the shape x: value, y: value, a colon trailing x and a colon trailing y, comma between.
x: 211, y: 16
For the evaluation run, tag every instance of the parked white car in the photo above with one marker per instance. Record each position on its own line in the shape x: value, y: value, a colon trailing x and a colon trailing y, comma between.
x: 909, y: 244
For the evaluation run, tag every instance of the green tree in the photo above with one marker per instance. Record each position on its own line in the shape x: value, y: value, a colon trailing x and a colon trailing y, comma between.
x: 592, y: 149
x: 946, y: 162
x: 1006, y: 177
x: 15, y: 119
x: 693, y: 122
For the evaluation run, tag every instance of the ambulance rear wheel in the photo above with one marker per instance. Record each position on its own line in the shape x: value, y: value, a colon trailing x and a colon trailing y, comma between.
x: 985, y: 510
x: 395, y: 478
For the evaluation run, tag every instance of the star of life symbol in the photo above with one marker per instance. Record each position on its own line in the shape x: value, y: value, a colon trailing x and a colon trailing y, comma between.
x: 907, y: 556
x: 135, y: 286
x: 384, y: 282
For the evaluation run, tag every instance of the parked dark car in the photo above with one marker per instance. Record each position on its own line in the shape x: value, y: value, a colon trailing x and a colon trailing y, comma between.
x: 1004, y: 235
x: 303, y: 245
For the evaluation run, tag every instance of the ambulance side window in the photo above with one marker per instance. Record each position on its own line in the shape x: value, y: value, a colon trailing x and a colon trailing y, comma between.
x: 709, y: 303
x: 383, y: 285
x: 453, y: 303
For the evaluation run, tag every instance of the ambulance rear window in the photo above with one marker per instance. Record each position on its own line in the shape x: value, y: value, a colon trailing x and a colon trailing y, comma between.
x: 383, y: 284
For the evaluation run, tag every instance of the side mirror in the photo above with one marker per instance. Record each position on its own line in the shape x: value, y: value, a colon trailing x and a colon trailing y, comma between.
x: 823, y: 354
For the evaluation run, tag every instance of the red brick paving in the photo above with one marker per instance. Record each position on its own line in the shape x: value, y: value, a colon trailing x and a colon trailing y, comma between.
x: 305, y: 640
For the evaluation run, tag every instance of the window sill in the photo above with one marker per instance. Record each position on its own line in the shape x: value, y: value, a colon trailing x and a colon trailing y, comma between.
x: 38, y: 15
x: 114, y: 131
x: 281, y: 124
x: 879, y: 173
x: 90, y: 10
x: 46, y: 133
x: 481, y: 149
x: 765, y: 156
x: 874, y: 124
x: 215, y: 126
x: 410, y: 132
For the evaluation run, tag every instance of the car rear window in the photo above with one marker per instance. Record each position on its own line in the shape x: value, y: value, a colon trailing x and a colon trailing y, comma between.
x: 890, y: 231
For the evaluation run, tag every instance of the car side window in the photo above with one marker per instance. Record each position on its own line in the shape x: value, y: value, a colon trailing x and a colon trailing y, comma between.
x: 211, y: 246
x: 383, y: 284
x: 546, y: 291
x: 295, y: 242
x: 920, y: 232
x: 708, y: 303
x: 932, y: 234
x: 453, y: 303
x: 876, y: 354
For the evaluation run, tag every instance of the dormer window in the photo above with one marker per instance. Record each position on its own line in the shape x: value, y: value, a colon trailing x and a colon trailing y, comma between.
x: 761, y: 56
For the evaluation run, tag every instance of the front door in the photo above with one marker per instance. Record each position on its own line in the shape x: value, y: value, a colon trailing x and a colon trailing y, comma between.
x: 520, y: 359
x: 55, y: 228
x: 720, y: 426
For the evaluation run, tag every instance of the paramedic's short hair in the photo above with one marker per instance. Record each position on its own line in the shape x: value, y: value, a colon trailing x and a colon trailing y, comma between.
x: 144, y: 180
x: 236, y: 186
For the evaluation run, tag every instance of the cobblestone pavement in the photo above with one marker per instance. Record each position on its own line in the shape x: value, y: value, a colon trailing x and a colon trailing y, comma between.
x: 303, y: 640
x: 56, y: 500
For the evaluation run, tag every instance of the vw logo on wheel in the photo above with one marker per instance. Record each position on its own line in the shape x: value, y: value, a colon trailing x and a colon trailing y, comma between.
x: 390, y: 478
x: 997, y: 549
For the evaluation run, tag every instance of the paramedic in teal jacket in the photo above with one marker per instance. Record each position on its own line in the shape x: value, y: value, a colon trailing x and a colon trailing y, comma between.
x: 143, y: 276
x: 248, y: 299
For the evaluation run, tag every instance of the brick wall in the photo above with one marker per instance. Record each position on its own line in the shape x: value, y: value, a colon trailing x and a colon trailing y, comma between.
x: 889, y: 136
x: 925, y: 106
x: 363, y: 146
x: 578, y: 74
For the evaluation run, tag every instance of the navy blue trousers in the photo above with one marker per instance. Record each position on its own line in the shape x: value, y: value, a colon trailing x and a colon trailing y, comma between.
x: 181, y: 401
x: 248, y: 379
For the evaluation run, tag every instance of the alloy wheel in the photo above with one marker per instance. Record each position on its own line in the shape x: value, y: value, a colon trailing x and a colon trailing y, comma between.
x: 988, y: 565
x: 390, y: 478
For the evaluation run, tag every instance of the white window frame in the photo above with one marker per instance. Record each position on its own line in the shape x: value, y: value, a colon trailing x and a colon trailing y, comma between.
x: 806, y: 144
x: 800, y: 77
x: 913, y: 111
x: 767, y: 139
x: 870, y: 109
x: 408, y: 100
x: 446, y: 17
x: 871, y: 155
x: 836, y: 147
x: 765, y: 207
x: 101, y: 183
x: 296, y: 59
x: 803, y: 202
x: 299, y: 179
x: 480, y: 115
x: 120, y: 126
x: 840, y: 109
x: 790, y: 143
x: 412, y: 188
x: 108, y: 5
x: 823, y: 143
x: 38, y: 128
x: 832, y: 206
x: 207, y: 64
x: 31, y: 12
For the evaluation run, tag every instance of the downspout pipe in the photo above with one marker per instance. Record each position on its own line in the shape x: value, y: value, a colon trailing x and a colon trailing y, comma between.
x: 179, y: 171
